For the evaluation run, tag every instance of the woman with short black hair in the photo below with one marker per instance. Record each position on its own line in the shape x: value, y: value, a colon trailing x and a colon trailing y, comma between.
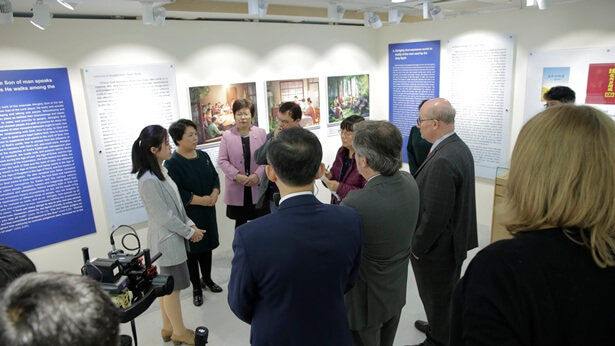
x: 199, y: 187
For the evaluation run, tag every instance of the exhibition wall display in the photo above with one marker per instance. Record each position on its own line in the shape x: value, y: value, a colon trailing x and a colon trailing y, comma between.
x: 122, y: 100
x: 414, y: 76
x: 212, y: 108
x: 477, y: 76
x: 44, y: 195
x: 590, y: 72
x: 347, y: 95
x: 305, y: 92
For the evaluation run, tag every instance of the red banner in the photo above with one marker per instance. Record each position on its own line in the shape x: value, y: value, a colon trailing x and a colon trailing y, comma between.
x: 600, y: 84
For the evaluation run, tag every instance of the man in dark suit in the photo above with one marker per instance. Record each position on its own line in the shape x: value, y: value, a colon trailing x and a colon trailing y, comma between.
x: 388, y: 206
x: 446, y: 228
x: 289, y: 117
x: 292, y: 268
x: 417, y: 147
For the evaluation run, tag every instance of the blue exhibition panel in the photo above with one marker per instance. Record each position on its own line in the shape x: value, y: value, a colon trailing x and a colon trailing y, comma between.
x: 44, y: 195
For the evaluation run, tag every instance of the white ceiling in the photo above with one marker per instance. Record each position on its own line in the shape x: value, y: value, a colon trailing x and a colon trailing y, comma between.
x: 279, y: 10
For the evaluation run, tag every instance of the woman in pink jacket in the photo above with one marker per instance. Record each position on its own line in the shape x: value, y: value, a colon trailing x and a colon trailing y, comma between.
x: 236, y: 159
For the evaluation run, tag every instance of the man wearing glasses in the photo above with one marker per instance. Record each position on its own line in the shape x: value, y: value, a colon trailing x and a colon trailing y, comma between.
x: 289, y: 117
x: 446, y: 227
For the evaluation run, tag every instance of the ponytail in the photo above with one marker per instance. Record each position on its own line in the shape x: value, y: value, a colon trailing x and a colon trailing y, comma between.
x: 143, y: 160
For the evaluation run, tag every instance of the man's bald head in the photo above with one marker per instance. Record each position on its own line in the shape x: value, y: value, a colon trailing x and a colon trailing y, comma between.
x: 441, y: 109
x: 436, y: 119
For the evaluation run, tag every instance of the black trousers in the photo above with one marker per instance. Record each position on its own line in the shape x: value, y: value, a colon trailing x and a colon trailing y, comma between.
x: 204, y: 261
x: 382, y: 334
x: 436, y: 279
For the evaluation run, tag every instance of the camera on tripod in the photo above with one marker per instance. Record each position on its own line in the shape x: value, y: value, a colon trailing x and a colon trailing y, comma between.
x: 129, y: 275
x: 132, y: 281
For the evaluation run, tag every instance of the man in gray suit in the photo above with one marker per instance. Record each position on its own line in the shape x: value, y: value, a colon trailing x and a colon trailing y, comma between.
x: 289, y: 117
x: 388, y: 207
x: 446, y: 228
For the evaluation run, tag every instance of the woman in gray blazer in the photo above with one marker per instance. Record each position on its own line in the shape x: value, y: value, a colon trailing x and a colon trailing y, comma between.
x: 169, y: 228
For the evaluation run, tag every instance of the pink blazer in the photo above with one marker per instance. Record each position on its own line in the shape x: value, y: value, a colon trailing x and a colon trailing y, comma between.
x: 230, y: 159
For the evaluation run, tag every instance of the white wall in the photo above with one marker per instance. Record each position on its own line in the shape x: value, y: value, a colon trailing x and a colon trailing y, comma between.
x: 204, y: 53
x: 212, y: 53
x: 580, y: 25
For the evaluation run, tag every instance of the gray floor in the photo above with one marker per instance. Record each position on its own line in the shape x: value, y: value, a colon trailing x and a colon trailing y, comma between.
x: 226, y: 329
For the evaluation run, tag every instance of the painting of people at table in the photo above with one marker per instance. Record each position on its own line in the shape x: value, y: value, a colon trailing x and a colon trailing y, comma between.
x: 212, y: 108
x: 304, y: 92
x: 348, y: 95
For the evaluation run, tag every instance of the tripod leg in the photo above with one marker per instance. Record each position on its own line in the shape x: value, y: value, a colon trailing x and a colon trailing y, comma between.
x: 134, y: 331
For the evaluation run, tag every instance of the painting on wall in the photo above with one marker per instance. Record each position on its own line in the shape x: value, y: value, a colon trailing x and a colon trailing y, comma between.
x: 305, y: 92
x: 553, y: 76
x: 212, y: 108
x: 348, y: 95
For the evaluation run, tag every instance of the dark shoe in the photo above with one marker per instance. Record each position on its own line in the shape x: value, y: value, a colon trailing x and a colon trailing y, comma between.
x: 422, y: 326
x: 214, y: 288
x: 197, y: 297
x: 421, y: 344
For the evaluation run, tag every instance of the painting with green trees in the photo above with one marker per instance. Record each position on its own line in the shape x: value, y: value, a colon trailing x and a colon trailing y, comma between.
x: 348, y: 95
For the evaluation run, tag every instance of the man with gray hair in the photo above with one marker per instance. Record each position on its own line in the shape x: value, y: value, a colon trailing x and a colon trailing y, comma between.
x: 57, y: 309
x: 388, y: 207
x: 446, y: 227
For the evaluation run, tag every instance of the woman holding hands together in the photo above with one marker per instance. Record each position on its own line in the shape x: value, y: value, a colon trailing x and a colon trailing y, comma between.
x: 199, y: 187
x: 236, y: 159
x: 169, y: 227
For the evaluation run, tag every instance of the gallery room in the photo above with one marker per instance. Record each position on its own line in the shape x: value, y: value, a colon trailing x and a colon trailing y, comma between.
x: 490, y: 59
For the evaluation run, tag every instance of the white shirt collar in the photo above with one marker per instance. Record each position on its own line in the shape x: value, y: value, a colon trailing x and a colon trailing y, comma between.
x: 439, y: 140
x: 373, y: 177
x: 295, y: 194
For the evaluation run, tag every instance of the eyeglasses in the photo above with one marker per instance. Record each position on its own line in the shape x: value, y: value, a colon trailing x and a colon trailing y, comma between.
x: 247, y: 114
x: 552, y: 103
x: 283, y: 121
x: 345, y: 132
x: 419, y: 120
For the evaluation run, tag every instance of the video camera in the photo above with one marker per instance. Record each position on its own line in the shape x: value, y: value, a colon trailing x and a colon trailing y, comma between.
x: 132, y: 281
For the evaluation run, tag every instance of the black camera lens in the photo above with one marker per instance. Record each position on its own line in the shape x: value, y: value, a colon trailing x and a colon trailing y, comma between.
x: 163, y: 284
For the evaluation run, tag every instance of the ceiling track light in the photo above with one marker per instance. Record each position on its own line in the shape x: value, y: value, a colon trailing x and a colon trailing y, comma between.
x: 160, y: 14
x: 542, y: 4
x: 436, y: 13
x: 6, y: 12
x: 41, y: 15
x: 366, y: 16
x: 258, y: 7
x: 372, y: 20
x: 425, y: 9
x: 147, y: 12
x: 395, y: 16
x: 70, y: 4
x: 335, y: 12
